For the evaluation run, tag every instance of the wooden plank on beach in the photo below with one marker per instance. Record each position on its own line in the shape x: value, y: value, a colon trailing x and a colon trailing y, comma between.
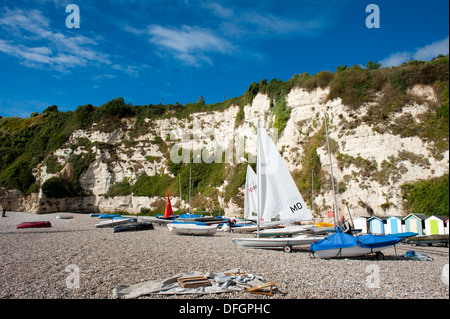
x: 193, y: 282
x: 260, y: 289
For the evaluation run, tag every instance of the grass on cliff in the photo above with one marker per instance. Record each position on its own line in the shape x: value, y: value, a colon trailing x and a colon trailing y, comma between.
x: 204, y: 177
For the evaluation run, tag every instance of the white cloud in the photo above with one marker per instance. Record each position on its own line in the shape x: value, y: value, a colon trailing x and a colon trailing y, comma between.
x: 62, y: 52
x: 219, y: 10
x: 131, y: 70
x: 261, y: 21
x: 430, y: 51
x: 189, y: 44
x: 424, y: 53
x: 395, y: 59
x: 30, y: 39
x: 233, y: 28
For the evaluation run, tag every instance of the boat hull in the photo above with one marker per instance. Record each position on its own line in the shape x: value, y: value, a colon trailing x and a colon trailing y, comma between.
x: 192, y: 229
x: 156, y: 220
x: 249, y: 229
x: 64, y: 217
x: 355, y: 251
x: 286, y: 231
x: 133, y: 227
x: 108, y: 216
x: 276, y: 242
x: 34, y: 225
x: 115, y: 222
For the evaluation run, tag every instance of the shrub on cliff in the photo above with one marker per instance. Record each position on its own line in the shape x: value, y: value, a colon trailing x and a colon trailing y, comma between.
x: 429, y: 197
x: 59, y: 188
x: 115, y: 108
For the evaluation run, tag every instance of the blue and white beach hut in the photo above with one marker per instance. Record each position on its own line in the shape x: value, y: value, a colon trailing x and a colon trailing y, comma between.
x: 393, y: 225
x: 376, y: 225
x: 415, y: 223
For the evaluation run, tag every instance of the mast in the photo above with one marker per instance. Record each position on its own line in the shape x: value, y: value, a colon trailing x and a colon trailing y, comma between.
x: 312, y: 190
x: 190, y: 208
x: 332, y: 178
x: 258, y: 175
x: 179, y: 179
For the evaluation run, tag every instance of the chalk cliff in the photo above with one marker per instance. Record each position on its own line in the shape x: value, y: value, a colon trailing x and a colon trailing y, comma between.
x: 388, y: 136
x: 120, y: 155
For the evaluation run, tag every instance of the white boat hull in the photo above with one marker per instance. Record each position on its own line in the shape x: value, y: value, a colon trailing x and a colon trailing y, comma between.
x: 192, y: 229
x: 153, y: 219
x: 248, y: 229
x: 276, y: 242
x: 64, y: 216
x: 286, y: 231
x: 254, y: 227
x: 355, y: 251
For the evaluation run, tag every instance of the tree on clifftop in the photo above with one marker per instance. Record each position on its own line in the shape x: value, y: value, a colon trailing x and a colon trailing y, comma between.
x: 372, y: 65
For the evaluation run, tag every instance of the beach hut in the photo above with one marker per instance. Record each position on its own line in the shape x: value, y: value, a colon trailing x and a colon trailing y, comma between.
x: 393, y: 225
x: 360, y: 222
x: 376, y: 225
x: 434, y: 225
x: 415, y: 223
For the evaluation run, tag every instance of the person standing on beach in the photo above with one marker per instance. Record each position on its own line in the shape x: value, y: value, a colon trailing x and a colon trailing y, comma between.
x: 346, y: 228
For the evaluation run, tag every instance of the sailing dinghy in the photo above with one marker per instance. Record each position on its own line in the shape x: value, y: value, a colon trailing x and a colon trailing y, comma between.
x: 250, y: 205
x: 251, y: 196
x: 344, y: 245
x: 278, y: 199
x: 111, y: 222
x: 188, y: 225
x: 192, y: 229
x: 286, y: 231
x: 65, y: 216
x: 286, y: 243
x: 251, y: 227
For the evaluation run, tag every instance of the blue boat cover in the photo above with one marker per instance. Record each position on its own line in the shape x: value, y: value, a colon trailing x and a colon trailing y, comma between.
x: 335, y: 241
x: 405, y: 235
x: 189, y: 216
x: 375, y: 241
x: 340, y: 240
x: 105, y: 216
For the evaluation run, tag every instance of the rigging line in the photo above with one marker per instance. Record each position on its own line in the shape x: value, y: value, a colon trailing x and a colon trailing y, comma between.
x: 336, y: 213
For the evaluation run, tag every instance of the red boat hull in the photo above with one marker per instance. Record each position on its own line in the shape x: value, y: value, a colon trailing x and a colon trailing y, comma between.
x: 34, y: 225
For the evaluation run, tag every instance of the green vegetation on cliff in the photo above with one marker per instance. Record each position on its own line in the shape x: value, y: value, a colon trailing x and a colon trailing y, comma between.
x: 429, y: 197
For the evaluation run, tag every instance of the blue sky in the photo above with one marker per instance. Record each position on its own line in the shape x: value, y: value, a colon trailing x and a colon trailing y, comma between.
x: 178, y: 50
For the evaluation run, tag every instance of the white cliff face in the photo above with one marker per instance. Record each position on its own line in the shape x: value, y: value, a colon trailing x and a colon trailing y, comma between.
x: 370, y: 145
x: 119, y: 157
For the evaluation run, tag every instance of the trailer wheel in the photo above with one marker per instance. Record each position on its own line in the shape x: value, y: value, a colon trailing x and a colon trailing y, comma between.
x: 287, y: 249
x: 379, y: 256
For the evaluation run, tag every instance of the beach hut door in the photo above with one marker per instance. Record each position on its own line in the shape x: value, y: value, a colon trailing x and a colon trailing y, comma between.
x: 413, y: 225
x: 394, y: 226
x: 434, y: 227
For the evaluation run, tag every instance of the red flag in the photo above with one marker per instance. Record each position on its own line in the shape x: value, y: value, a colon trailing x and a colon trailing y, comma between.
x: 331, y: 213
x: 168, y: 212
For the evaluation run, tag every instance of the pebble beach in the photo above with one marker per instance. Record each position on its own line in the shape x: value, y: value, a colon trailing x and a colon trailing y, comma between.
x: 36, y: 263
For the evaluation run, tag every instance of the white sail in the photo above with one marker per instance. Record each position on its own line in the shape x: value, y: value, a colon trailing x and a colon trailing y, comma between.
x: 279, y: 198
x: 250, y: 196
